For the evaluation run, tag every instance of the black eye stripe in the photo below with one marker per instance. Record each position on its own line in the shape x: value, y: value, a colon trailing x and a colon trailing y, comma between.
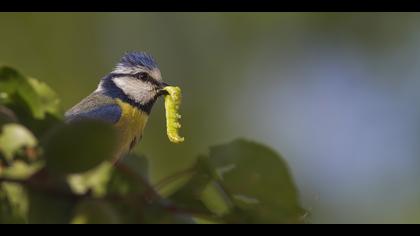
x: 147, y: 78
x: 141, y: 76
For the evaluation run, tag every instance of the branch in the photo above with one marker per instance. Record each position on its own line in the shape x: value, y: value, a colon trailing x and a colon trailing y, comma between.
x: 167, y: 180
x: 14, y: 181
x: 150, y: 193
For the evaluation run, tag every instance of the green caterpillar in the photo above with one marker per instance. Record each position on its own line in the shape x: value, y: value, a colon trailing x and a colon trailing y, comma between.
x: 172, y: 103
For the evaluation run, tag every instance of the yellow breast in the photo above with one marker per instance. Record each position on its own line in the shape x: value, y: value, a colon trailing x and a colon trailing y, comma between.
x: 130, y: 127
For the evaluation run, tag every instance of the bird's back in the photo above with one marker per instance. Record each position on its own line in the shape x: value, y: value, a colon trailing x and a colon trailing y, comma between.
x: 95, y: 106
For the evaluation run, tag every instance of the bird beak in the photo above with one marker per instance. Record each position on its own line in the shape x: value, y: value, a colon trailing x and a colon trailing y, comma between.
x: 163, y: 85
x: 161, y: 90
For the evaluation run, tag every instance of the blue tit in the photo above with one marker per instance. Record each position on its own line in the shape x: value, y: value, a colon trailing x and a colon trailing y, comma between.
x: 124, y: 98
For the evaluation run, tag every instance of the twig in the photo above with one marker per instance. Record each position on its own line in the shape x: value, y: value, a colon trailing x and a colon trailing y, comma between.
x: 14, y: 181
x: 10, y: 115
x: 167, y: 180
x: 150, y: 193
x: 37, y: 185
x: 194, y: 213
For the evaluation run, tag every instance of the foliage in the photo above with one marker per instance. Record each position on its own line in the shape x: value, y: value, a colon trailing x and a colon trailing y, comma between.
x: 52, y: 172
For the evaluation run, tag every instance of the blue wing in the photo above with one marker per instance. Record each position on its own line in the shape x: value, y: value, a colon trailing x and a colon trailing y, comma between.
x: 95, y: 107
x: 108, y: 113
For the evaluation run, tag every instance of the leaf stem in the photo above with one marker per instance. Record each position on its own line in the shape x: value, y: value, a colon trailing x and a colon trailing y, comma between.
x: 169, y: 179
x: 150, y: 193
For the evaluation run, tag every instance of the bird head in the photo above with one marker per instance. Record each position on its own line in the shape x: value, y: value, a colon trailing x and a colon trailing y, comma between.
x: 136, y: 79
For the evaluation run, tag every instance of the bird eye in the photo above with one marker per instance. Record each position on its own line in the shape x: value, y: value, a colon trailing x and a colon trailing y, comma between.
x: 142, y: 75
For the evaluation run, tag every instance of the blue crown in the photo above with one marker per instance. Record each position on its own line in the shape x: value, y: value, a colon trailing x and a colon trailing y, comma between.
x: 133, y: 59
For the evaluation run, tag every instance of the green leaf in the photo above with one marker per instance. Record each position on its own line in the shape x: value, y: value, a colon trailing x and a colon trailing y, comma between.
x: 96, y: 212
x: 130, y: 177
x: 161, y: 213
x: 35, y: 104
x: 197, y: 193
x: 127, y: 182
x: 13, y: 138
x: 105, y: 179
x: 49, y: 99
x: 45, y: 208
x: 50, y: 199
x: 21, y: 170
x: 13, y: 204
x: 130, y: 210
x: 14, y: 84
x: 258, y: 181
x: 25, y: 93
x: 9, y: 81
x: 138, y: 163
x: 39, y: 128
x: 94, y: 181
x: 79, y: 147
x: 215, y: 199
x: 242, y: 182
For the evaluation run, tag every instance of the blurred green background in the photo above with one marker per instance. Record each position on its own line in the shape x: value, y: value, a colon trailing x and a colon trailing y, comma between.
x: 336, y: 94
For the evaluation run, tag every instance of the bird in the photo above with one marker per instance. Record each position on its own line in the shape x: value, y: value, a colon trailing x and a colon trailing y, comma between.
x: 123, y: 98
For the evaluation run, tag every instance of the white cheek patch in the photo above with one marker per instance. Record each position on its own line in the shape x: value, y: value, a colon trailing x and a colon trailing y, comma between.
x: 137, y: 90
